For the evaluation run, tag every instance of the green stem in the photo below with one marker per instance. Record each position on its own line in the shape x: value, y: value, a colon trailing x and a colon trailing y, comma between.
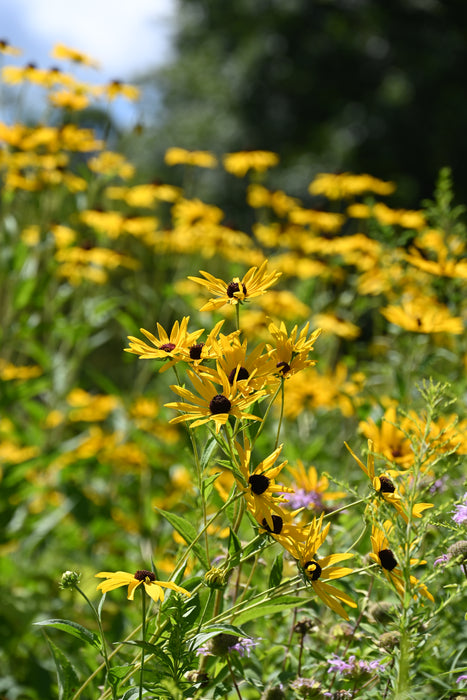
x: 101, y: 633
x: 143, y: 632
x: 281, y: 415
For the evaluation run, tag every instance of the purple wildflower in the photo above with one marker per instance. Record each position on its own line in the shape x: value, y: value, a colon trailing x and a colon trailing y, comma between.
x: 223, y: 644
x: 302, y: 498
x: 462, y: 678
x: 443, y: 559
x: 354, y: 668
x: 460, y: 512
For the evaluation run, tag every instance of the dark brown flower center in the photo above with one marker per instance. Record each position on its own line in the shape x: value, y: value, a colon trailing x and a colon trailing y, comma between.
x: 283, y: 367
x: 259, y: 483
x: 195, y: 351
x: 386, y: 485
x: 312, y: 570
x: 219, y: 404
x: 233, y: 288
x: 143, y: 574
x: 277, y: 523
x: 167, y: 347
x: 243, y: 373
x: 387, y: 559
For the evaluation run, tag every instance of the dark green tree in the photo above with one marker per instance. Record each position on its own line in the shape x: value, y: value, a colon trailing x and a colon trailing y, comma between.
x: 354, y: 85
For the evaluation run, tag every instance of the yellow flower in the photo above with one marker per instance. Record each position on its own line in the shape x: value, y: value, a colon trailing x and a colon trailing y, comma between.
x: 384, y: 485
x: 319, y: 570
x: 66, y: 53
x: 174, y: 347
x: 310, y: 490
x: 209, y: 404
x: 338, y: 326
x: 152, y: 587
x: 250, y: 370
x: 423, y: 315
x: 262, y: 493
x: 290, y: 352
x: 7, y: 48
x: 384, y: 556
x: 180, y: 156
x: 342, y: 185
x: 116, y: 88
x: 254, y: 283
x: 240, y: 163
x: 388, y: 440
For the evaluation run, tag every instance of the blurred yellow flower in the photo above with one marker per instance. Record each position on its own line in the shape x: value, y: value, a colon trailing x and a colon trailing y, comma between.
x: 180, y: 156
x: 240, y: 163
x: 423, y: 315
x: 66, y: 53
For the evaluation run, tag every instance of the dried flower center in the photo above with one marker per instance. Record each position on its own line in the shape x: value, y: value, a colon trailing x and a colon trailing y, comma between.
x: 312, y: 570
x: 283, y: 367
x: 167, y: 347
x: 386, y: 485
x: 243, y: 373
x: 387, y: 559
x: 144, y: 574
x: 196, y: 350
x: 219, y: 404
x: 277, y: 523
x: 233, y: 288
x: 259, y: 483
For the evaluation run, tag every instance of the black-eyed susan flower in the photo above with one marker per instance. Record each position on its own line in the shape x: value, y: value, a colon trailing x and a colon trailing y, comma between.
x: 262, y: 494
x: 212, y: 403
x: 319, y: 570
x: 342, y: 185
x: 385, y: 487
x: 253, y: 284
x: 290, y: 352
x: 180, y: 156
x: 383, y: 555
x: 173, y: 348
x: 153, y: 588
x: 310, y: 490
x: 388, y: 440
x: 66, y: 53
x: 241, y: 162
x: 423, y: 315
x: 250, y: 370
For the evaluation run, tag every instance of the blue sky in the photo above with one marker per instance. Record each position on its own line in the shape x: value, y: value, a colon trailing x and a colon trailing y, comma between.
x: 125, y: 37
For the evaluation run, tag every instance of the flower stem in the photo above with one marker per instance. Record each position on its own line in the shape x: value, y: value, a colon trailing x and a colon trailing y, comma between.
x: 143, y: 632
x: 103, y: 642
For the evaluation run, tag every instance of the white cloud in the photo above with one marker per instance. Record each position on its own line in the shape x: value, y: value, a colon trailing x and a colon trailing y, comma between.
x: 124, y: 37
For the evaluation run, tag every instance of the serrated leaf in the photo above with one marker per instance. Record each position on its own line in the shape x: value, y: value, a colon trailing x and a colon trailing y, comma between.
x: 68, y: 682
x: 74, y: 629
x: 275, y: 575
x: 188, y: 532
x: 269, y: 607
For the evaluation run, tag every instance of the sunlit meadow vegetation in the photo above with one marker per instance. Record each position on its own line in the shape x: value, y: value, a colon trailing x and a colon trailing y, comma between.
x: 272, y: 477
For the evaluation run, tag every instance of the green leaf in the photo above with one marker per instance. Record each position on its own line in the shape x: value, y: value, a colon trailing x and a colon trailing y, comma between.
x: 68, y: 681
x: 235, y: 549
x: 269, y: 607
x: 208, y: 451
x: 207, y: 485
x: 24, y: 292
x: 275, y: 575
x: 131, y: 694
x: 74, y: 629
x: 188, y: 532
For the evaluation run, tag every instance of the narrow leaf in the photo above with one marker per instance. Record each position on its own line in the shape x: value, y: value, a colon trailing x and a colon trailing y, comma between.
x: 188, y: 532
x: 74, y: 629
x: 68, y: 682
